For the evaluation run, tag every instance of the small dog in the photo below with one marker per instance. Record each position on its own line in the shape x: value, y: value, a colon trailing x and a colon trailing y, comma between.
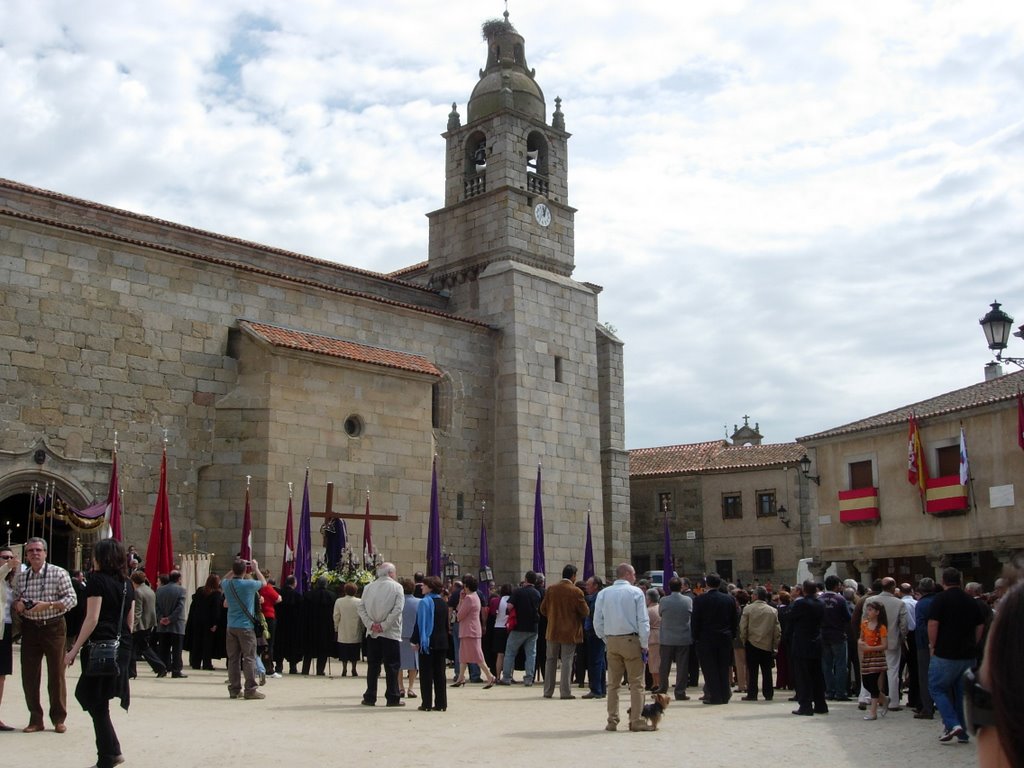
x: 653, y: 712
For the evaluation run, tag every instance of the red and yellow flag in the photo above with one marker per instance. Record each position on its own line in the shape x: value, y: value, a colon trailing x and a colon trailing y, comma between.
x: 917, y: 470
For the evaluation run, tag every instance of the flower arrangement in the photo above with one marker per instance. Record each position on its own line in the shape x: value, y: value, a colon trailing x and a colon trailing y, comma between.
x: 343, y: 574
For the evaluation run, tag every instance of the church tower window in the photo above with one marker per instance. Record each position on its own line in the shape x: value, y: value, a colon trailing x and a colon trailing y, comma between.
x: 476, y: 165
x: 441, y: 404
x: 537, y: 163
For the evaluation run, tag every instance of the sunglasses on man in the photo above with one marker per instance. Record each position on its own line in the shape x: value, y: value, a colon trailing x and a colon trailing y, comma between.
x: 978, y: 711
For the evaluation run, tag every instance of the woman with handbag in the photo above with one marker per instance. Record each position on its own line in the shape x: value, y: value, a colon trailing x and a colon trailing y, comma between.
x: 105, y: 642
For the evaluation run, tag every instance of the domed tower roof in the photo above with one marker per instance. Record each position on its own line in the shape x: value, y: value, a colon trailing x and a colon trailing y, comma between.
x: 506, y: 82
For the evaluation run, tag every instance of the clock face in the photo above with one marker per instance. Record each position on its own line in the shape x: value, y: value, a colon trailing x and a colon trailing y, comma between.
x: 542, y: 214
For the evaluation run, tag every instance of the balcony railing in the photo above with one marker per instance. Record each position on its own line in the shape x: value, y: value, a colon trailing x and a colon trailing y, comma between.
x: 474, y: 185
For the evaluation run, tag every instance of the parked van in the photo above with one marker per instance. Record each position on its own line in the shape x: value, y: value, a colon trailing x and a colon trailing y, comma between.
x: 803, y: 572
x: 657, y: 578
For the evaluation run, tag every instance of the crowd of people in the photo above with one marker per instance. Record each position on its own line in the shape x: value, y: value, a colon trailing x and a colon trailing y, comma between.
x: 946, y: 650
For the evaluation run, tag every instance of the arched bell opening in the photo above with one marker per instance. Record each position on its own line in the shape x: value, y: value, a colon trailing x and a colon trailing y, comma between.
x: 537, y: 163
x: 475, y: 164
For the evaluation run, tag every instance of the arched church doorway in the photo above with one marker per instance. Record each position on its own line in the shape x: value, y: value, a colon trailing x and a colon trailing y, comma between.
x: 39, y: 504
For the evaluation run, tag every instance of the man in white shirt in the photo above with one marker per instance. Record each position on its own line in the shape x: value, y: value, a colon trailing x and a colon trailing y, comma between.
x: 621, y: 620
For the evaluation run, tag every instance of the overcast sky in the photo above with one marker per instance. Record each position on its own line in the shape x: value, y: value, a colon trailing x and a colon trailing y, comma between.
x: 799, y: 210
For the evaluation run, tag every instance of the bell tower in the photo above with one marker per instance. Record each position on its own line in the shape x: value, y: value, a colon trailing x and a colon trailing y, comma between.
x: 505, y: 176
x: 501, y: 251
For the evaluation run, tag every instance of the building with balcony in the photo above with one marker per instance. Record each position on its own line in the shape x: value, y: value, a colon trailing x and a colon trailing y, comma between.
x: 871, y: 518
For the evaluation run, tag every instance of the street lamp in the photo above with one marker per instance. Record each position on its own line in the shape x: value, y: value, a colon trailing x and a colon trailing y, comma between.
x: 805, y: 469
x: 784, y: 515
x: 451, y: 568
x: 996, y: 325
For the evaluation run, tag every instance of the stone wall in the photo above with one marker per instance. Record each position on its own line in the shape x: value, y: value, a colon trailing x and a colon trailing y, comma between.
x: 102, y: 334
x: 614, y: 457
x: 735, y: 540
x: 647, y: 526
x: 291, y: 406
x: 548, y: 412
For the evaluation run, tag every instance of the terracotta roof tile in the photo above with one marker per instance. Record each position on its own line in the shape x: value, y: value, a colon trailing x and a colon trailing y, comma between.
x: 765, y: 455
x: 716, y: 455
x: 348, y: 350
x: 418, y: 267
x: 985, y: 393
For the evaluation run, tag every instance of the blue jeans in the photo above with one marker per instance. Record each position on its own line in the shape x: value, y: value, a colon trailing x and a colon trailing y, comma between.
x: 597, y: 664
x: 517, y: 640
x: 945, y: 684
x: 833, y: 665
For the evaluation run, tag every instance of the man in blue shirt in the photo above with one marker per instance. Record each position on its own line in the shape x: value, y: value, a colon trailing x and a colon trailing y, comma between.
x: 621, y: 620
x: 240, y: 597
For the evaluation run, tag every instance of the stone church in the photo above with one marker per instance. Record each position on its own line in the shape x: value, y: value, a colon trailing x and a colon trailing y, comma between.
x: 245, y: 360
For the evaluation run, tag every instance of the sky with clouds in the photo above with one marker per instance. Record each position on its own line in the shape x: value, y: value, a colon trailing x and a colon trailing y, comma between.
x: 798, y: 210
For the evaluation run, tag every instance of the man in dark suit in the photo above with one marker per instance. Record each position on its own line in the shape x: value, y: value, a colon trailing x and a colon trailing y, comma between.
x: 170, y: 622
x: 713, y: 624
x: 804, y: 629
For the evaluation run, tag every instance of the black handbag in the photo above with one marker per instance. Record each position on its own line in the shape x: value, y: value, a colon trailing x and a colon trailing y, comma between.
x: 103, y: 659
x: 103, y: 655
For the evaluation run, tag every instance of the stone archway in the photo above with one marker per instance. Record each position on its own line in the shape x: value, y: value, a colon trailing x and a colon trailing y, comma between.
x: 16, y: 493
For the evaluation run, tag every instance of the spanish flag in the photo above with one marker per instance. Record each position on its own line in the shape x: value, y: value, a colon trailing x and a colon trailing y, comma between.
x: 859, y: 505
x: 917, y: 470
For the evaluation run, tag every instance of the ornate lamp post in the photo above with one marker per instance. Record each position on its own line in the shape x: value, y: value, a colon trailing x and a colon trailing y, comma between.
x: 451, y: 568
x: 996, y: 325
x: 805, y: 469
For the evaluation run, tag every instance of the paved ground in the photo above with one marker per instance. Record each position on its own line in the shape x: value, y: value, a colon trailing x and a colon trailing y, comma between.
x: 310, y: 721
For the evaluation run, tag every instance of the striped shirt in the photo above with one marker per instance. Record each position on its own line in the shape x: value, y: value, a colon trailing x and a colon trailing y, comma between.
x: 52, y: 584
